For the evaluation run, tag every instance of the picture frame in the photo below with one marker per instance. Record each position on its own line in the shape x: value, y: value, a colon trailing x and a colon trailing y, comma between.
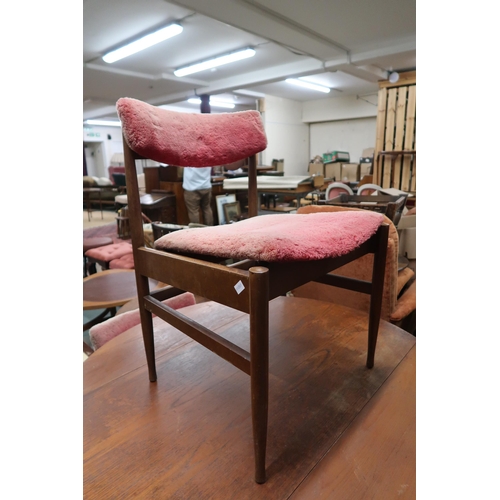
x: 232, y: 211
x: 220, y: 200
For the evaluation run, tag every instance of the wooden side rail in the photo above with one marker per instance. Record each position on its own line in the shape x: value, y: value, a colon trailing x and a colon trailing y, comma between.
x: 207, y: 338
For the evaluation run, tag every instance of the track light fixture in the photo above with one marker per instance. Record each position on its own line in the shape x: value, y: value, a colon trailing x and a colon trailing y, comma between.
x: 214, y: 62
x: 143, y: 43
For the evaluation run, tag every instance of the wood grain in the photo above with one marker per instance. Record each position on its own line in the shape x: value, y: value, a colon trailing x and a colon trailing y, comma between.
x: 189, y: 435
x: 375, y: 458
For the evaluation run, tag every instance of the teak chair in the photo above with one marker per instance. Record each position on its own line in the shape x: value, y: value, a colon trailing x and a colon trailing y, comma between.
x: 242, y: 265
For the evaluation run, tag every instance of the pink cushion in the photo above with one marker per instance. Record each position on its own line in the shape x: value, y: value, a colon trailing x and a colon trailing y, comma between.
x: 125, y: 262
x: 109, y: 329
x: 109, y: 252
x: 190, y: 139
x: 268, y: 238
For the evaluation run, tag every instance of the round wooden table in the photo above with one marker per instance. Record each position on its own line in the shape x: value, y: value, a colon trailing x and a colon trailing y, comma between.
x: 108, y: 290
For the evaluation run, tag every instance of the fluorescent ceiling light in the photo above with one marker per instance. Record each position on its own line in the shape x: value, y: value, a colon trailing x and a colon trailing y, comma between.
x: 212, y: 63
x: 308, y: 85
x: 217, y: 104
x: 143, y: 43
x: 250, y: 93
x: 104, y: 123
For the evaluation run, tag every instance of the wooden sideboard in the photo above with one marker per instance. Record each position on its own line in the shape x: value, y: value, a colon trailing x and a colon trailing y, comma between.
x: 170, y: 179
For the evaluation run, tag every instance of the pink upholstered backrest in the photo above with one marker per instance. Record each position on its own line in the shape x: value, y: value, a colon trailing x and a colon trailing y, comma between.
x: 190, y: 139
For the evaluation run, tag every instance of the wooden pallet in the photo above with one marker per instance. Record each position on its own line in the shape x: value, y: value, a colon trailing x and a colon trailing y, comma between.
x: 395, y: 144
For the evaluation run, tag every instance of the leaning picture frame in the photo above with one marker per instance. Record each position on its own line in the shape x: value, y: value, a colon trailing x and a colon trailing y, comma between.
x: 220, y: 200
x: 232, y: 211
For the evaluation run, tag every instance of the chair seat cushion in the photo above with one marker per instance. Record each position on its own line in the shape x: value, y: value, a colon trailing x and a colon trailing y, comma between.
x: 274, y: 238
x: 109, y: 252
x: 96, y: 242
x: 124, y: 262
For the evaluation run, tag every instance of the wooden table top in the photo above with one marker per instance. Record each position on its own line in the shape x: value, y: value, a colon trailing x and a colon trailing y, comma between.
x: 189, y: 434
x: 110, y: 288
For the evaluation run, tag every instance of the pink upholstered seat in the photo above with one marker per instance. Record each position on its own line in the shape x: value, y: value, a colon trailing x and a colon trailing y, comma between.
x: 272, y: 238
x: 124, y: 262
x: 109, y: 252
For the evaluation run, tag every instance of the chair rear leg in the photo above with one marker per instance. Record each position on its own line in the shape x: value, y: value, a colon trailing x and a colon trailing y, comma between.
x: 377, y: 290
x: 259, y: 365
x: 147, y: 326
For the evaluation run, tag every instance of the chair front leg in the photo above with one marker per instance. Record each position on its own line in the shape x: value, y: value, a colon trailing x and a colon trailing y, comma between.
x: 259, y: 365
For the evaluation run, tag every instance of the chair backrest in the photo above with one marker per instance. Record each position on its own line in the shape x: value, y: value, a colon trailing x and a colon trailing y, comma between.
x: 186, y: 140
x: 336, y: 188
x: 190, y: 139
x: 367, y: 189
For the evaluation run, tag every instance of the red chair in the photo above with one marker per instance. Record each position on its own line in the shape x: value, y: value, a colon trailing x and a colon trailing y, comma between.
x: 269, y: 254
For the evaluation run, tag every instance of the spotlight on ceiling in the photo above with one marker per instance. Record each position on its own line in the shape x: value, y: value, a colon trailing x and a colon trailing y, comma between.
x: 394, y: 77
x: 217, y: 61
x: 143, y: 43
x: 308, y: 85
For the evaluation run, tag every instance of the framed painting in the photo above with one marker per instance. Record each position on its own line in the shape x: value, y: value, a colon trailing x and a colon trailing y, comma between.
x: 220, y: 200
x: 232, y: 211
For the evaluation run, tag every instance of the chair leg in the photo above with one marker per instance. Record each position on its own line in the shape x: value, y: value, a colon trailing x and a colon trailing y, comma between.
x: 259, y: 365
x: 147, y: 326
x: 378, y: 273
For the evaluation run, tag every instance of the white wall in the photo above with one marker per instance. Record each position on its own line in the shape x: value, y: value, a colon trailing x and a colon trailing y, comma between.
x: 339, y: 108
x: 341, y: 123
x: 103, y: 142
x: 287, y: 135
x: 343, y: 135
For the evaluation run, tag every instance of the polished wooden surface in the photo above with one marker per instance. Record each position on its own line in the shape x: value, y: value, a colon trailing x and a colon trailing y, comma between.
x: 189, y: 434
x: 375, y: 458
x: 110, y: 288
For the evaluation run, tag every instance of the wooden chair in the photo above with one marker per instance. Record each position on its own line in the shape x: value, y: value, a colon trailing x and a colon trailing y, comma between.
x: 334, y: 189
x: 241, y: 265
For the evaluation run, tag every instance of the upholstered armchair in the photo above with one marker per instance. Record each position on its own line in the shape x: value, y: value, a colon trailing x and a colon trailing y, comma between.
x: 399, y: 296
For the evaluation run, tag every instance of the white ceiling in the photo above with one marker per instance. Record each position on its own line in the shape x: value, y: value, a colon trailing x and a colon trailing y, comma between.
x: 349, y: 45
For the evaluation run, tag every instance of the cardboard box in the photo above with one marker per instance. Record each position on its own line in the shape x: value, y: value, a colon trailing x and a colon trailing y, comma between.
x: 336, y: 156
x: 368, y: 152
x: 333, y: 171
x: 316, y: 169
x: 364, y: 169
x: 350, y: 172
x: 318, y: 180
x: 407, y: 231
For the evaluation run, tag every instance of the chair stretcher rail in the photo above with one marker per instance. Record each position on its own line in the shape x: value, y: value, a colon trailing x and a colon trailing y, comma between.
x: 207, y: 338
